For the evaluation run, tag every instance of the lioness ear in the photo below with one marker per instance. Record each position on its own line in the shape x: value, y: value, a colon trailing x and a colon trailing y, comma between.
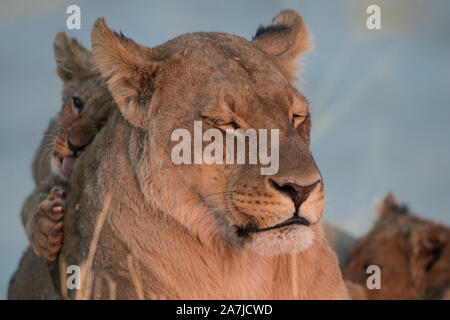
x: 286, y: 37
x: 73, y: 61
x: 128, y: 69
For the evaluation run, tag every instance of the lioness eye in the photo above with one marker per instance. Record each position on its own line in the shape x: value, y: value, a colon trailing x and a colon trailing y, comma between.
x: 221, y: 124
x: 225, y: 126
x: 78, y: 104
x: 297, y: 119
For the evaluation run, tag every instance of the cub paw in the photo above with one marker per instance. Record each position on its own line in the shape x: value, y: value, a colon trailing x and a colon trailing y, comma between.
x: 47, y: 235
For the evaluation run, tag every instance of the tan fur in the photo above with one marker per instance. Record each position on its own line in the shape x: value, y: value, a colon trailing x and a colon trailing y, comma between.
x: 413, y: 254
x: 186, y: 227
x: 356, y: 290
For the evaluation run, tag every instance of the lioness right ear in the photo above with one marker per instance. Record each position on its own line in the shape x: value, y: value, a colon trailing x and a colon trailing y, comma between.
x: 73, y: 61
x: 286, y: 37
x: 129, y: 70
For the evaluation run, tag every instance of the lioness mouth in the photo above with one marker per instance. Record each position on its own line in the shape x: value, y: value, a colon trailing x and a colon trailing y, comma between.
x: 245, y: 231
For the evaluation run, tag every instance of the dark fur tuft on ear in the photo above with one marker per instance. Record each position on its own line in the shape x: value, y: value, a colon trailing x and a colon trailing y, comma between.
x: 286, y: 38
x: 277, y: 29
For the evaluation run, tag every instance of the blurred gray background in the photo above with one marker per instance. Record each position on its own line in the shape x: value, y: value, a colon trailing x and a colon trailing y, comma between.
x: 379, y: 99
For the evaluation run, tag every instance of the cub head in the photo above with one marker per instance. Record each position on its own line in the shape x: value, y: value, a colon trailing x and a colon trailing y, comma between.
x: 413, y: 255
x: 86, y: 102
x: 195, y: 97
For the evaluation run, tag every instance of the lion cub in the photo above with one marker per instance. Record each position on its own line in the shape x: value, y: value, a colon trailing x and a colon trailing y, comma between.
x: 86, y: 106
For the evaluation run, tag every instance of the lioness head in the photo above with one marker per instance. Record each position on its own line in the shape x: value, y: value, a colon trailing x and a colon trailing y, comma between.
x: 413, y: 255
x: 86, y: 102
x: 224, y: 82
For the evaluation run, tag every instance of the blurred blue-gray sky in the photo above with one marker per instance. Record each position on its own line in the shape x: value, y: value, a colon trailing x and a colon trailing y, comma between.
x: 379, y: 99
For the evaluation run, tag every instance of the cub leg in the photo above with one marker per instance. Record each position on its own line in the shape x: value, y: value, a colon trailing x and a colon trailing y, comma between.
x: 46, y: 238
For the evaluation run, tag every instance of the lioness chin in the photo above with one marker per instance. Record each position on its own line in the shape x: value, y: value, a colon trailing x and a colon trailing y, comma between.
x: 149, y: 228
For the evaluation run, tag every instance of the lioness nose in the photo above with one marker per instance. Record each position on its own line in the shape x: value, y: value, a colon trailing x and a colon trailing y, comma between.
x: 296, y: 192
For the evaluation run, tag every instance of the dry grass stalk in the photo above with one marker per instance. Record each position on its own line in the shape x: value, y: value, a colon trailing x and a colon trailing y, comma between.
x: 86, y: 273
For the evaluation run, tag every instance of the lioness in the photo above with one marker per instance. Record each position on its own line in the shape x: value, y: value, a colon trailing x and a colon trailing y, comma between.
x: 86, y: 105
x: 148, y: 228
x: 412, y: 253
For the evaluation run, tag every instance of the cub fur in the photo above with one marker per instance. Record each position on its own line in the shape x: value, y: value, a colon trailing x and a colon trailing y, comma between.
x: 86, y: 106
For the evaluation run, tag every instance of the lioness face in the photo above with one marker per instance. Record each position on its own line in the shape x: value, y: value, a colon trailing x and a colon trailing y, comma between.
x: 86, y: 103
x: 225, y: 82
x: 267, y: 213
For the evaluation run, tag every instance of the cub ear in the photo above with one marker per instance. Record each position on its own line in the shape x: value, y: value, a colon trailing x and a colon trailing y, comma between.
x: 73, y: 61
x: 129, y: 69
x: 286, y: 37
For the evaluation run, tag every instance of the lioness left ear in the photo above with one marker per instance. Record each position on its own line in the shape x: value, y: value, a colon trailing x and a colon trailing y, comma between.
x: 129, y: 69
x: 286, y: 37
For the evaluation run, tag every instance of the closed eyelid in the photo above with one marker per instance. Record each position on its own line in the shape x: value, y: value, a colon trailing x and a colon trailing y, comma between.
x: 232, y: 122
x: 215, y: 118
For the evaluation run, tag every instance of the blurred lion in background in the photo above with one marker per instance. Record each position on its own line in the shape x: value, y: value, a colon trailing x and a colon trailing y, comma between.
x: 413, y: 254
